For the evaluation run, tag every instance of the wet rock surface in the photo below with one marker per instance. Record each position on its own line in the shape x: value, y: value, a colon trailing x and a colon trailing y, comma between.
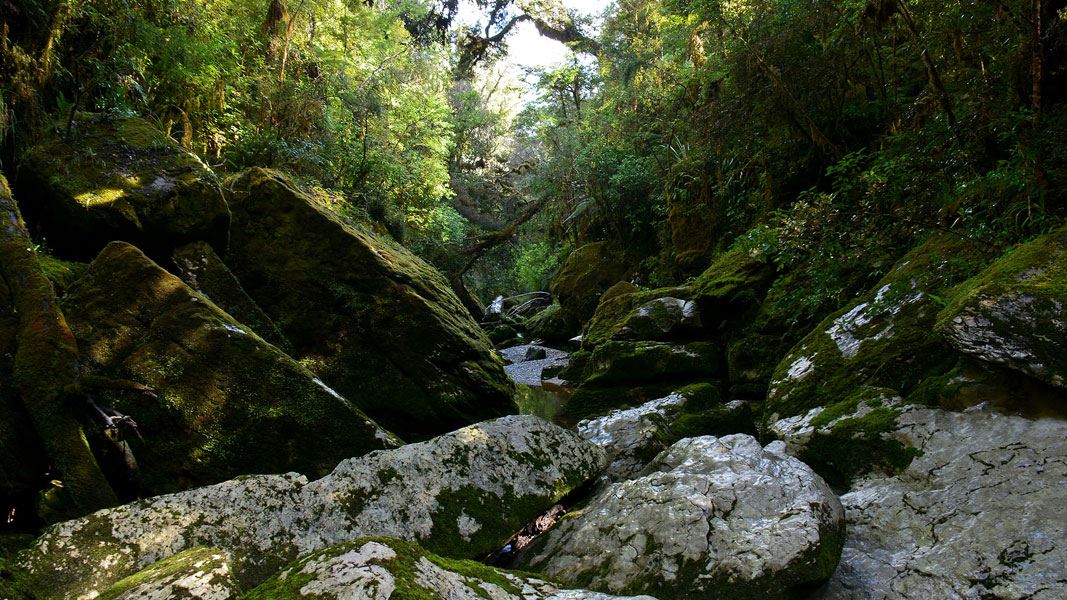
x: 380, y: 569
x: 712, y: 517
x: 527, y: 371
x: 978, y: 515
x: 461, y: 494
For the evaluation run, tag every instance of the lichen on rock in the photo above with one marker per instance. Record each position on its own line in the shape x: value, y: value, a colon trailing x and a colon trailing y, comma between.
x: 196, y: 574
x: 460, y: 495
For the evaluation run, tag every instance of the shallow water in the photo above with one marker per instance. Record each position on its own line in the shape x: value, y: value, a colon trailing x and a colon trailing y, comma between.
x: 539, y: 402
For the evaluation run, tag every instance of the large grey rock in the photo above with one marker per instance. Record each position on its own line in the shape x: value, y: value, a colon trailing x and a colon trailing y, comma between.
x: 461, y: 494
x: 660, y: 319
x: 978, y: 515
x: 1012, y: 314
x: 715, y: 517
x: 375, y: 569
x: 632, y: 437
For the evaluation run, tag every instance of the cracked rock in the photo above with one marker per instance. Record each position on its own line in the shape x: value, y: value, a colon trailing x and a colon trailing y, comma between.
x: 978, y: 515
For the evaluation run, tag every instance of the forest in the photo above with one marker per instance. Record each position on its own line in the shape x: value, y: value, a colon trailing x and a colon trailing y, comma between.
x: 560, y: 299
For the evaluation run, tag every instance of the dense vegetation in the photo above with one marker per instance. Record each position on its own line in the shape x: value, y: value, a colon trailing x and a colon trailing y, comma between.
x: 682, y: 126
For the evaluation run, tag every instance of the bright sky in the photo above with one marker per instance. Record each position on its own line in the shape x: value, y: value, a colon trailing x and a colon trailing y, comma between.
x: 526, y: 47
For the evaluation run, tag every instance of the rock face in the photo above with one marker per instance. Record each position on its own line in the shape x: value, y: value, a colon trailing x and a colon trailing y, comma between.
x: 1012, y: 314
x: 378, y: 324
x: 885, y: 338
x: 584, y: 276
x: 201, y: 269
x: 196, y: 574
x: 713, y: 518
x: 119, y: 178
x: 228, y: 403
x: 382, y: 568
x: 461, y: 494
x: 978, y: 515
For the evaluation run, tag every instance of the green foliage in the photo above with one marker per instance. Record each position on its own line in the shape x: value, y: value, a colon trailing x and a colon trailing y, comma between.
x: 534, y: 265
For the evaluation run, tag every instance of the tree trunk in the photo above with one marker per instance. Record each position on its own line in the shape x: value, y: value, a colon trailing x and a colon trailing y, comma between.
x: 46, y: 368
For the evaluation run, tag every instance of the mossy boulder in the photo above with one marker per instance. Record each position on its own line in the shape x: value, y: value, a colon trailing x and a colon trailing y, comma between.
x: 659, y: 314
x: 201, y: 269
x: 552, y: 325
x: 383, y: 568
x: 378, y: 324
x: 884, y: 338
x: 227, y: 403
x: 196, y: 574
x: 617, y: 363
x: 709, y: 518
x: 460, y: 495
x: 590, y: 400
x: 586, y: 274
x: 692, y: 227
x: 732, y: 287
x: 119, y: 178
x: 1012, y: 313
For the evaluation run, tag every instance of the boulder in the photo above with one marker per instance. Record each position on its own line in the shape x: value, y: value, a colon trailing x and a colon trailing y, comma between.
x: 615, y: 363
x: 552, y: 325
x: 977, y: 515
x: 201, y: 269
x: 119, y: 178
x: 383, y: 568
x: 227, y: 402
x: 1012, y: 313
x: 196, y: 574
x: 375, y: 322
x: 884, y: 338
x: 712, y: 518
x: 586, y: 274
x: 633, y: 437
x: 461, y: 495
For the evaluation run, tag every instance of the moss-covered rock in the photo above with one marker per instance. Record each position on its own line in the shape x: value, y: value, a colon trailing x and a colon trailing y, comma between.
x: 586, y: 274
x: 13, y: 582
x: 1012, y: 313
x: 374, y: 321
x: 615, y: 363
x: 732, y: 287
x: 850, y: 438
x: 227, y: 403
x: 204, y: 271
x: 590, y: 400
x: 692, y: 227
x: 461, y: 495
x: 196, y: 574
x: 884, y: 338
x: 552, y: 325
x: 119, y: 178
x: 62, y: 273
x: 656, y: 315
x: 386, y: 568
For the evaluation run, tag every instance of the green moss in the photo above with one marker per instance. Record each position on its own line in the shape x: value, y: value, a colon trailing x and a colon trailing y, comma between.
x: 737, y: 280
x: 61, y: 273
x: 585, y: 275
x: 194, y: 560
x: 615, y: 363
x: 121, y: 178
x: 589, y: 400
x: 552, y: 325
x: 374, y: 321
x: 403, y: 568
x: 1019, y: 299
x: 884, y: 338
x: 856, y: 445
x: 13, y: 582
